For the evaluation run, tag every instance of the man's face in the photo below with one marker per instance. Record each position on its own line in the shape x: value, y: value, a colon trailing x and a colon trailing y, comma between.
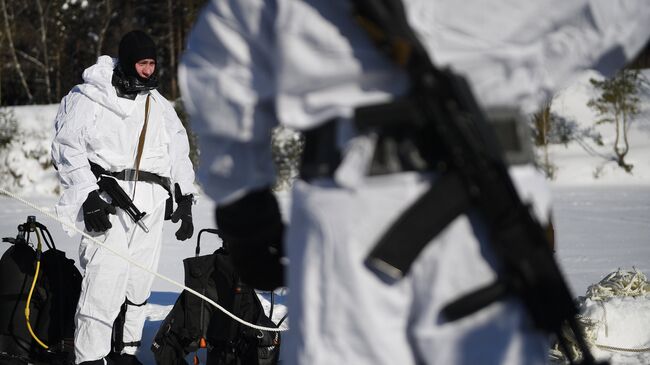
x: 145, y: 68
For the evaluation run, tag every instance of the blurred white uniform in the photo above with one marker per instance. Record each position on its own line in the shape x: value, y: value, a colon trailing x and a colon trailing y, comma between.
x: 94, y: 124
x: 252, y: 65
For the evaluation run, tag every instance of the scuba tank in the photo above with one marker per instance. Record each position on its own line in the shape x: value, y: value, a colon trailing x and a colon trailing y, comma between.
x: 39, y: 292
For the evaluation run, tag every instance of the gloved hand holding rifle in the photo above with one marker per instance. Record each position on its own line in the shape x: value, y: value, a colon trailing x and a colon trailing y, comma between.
x: 119, y: 198
x: 96, y: 211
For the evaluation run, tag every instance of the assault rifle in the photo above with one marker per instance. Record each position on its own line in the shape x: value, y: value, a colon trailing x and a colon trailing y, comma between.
x: 473, y: 175
x: 119, y: 198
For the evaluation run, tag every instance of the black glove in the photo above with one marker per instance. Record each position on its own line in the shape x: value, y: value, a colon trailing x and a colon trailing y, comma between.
x: 183, y: 213
x: 96, y: 212
x: 252, y: 230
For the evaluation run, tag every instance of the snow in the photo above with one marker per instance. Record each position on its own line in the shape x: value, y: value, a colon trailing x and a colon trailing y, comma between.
x: 602, y: 223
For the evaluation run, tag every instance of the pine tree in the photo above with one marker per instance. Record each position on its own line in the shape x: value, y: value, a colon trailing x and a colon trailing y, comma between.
x: 618, y: 103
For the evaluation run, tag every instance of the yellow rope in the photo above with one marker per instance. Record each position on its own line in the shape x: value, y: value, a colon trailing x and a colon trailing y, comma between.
x: 39, y: 249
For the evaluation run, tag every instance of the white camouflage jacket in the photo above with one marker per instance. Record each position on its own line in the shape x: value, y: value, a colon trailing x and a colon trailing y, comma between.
x: 259, y: 64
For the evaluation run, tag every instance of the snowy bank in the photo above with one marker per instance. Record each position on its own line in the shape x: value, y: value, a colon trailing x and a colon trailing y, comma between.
x: 25, y: 163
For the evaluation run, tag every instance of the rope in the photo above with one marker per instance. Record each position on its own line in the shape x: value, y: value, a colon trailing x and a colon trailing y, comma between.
x: 160, y: 276
x: 614, y: 348
x: 620, y: 283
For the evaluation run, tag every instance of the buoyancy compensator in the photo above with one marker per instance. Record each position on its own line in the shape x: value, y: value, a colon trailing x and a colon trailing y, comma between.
x: 39, y: 292
x: 193, y: 324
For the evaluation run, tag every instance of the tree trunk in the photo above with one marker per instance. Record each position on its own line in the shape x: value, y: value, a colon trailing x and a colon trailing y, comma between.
x: 617, y: 136
x: 57, y: 66
x: 2, y: 39
x: 102, y: 32
x: 621, y: 151
x: 46, y: 61
x: 172, y: 49
x: 12, y: 49
x: 626, y: 144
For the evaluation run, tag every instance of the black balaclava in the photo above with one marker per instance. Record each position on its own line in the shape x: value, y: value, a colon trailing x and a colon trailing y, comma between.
x: 134, y: 46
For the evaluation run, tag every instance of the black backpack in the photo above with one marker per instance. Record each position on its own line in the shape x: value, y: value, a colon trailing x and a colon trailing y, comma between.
x: 52, y: 304
x: 192, y: 323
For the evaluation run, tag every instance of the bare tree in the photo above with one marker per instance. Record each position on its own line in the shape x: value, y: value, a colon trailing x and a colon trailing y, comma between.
x: 46, y: 61
x: 109, y: 15
x: 12, y: 49
x: 542, y: 124
x: 46, y: 44
x: 172, y: 49
x: 2, y: 39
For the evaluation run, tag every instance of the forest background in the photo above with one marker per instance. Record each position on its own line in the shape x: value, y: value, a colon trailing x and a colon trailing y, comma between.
x: 46, y: 44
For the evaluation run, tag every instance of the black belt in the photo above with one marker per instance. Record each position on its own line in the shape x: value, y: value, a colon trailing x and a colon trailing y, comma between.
x: 403, y: 144
x: 130, y: 175
x: 405, y: 141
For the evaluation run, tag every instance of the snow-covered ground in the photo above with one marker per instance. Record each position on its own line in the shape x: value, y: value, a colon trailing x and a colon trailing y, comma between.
x: 602, y: 224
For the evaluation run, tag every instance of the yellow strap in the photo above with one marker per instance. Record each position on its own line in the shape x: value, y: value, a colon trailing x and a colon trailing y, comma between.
x: 39, y: 249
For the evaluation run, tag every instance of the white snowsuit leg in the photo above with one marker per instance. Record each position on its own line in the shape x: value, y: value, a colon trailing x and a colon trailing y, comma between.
x: 342, y: 313
x: 139, y: 284
x: 109, y: 280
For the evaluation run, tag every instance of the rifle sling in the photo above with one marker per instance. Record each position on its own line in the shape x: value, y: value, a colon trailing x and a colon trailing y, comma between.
x: 143, y: 134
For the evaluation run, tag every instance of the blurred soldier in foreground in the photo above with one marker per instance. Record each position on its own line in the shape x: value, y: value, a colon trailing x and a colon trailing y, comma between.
x: 308, y: 65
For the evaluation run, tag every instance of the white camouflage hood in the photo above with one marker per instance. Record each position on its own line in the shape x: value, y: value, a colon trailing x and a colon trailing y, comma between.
x: 97, y: 85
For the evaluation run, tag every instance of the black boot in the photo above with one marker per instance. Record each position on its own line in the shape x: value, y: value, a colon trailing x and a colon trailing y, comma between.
x: 122, y: 359
x: 94, y: 362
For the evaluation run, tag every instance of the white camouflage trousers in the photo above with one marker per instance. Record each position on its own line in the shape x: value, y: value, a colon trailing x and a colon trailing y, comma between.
x: 343, y: 313
x: 109, y: 280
